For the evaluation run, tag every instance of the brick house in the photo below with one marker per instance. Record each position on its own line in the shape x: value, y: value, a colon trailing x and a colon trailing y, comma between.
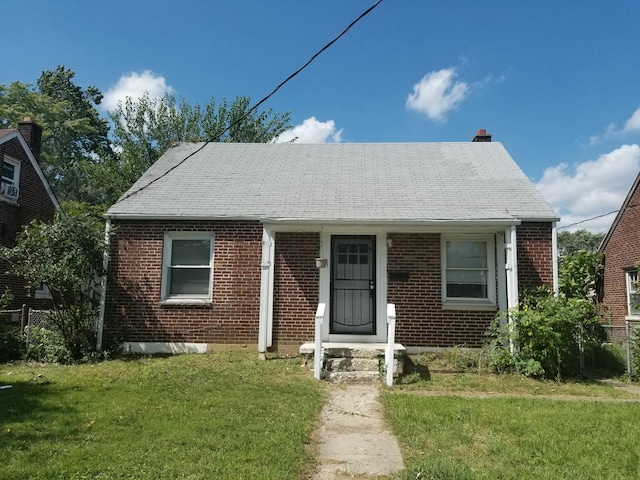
x: 25, y: 195
x: 236, y: 244
x: 621, y: 249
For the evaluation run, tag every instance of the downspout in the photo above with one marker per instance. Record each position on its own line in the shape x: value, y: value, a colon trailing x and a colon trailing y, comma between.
x: 103, y: 284
x: 554, y: 253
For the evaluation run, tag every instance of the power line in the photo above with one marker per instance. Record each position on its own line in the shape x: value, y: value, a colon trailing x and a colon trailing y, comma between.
x: 252, y: 109
x: 362, y: 15
x: 588, y: 219
x: 598, y: 216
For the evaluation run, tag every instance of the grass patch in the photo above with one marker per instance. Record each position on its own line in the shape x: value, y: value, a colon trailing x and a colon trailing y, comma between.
x: 459, y: 371
x: 449, y: 437
x: 225, y: 415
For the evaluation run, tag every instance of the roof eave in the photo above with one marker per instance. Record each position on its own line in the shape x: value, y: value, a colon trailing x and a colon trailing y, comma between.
x: 324, y: 221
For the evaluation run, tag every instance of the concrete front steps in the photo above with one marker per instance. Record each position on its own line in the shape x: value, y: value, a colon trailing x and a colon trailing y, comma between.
x: 354, y: 362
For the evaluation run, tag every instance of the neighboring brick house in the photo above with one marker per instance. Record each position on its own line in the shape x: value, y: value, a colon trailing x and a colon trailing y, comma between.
x: 621, y: 249
x: 222, y: 243
x: 25, y: 195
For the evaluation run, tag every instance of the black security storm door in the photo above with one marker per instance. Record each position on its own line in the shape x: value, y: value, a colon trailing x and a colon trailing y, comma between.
x: 353, y: 288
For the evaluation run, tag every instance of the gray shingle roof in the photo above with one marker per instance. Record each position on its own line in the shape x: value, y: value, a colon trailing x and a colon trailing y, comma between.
x: 412, y: 182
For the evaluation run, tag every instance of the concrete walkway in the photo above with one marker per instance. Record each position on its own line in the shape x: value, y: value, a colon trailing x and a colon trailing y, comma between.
x: 354, y: 441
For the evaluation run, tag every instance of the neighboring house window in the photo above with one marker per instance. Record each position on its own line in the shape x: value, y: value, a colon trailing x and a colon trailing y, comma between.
x: 187, y: 266
x: 9, y: 186
x: 633, y: 293
x: 42, y: 292
x: 468, y: 270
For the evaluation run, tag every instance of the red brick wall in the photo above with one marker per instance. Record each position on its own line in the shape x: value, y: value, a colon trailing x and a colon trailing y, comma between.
x: 33, y: 203
x: 134, y: 312
x: 296, y: 287
x: 535, y: 255
x: 621, y: 252
x: 421, y: 321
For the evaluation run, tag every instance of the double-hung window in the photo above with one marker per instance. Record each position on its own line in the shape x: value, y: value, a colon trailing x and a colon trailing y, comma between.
x: 187, y: 267
x: 9, y: 182
x: 633, y: 293
x: 468, y: 270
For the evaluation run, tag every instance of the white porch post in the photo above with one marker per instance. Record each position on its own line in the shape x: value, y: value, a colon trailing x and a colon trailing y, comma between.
x: 265, y: 328
x: 511, y: 250
x: 501, y: 272
x: 103, y: 285
x: 554, y: 249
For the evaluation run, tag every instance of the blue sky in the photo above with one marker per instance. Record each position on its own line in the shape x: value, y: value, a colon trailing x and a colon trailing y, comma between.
x: 558, y: 83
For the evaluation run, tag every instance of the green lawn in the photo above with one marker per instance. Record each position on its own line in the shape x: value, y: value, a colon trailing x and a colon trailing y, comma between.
x: 226, y: 416
x: 470, y: 426
x: 231, y: 416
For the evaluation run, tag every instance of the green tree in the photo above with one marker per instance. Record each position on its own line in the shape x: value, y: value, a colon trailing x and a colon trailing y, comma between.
x: 145, y: 128
x: 581, y: 266
x: 581, y: 275
x: 75, y: 143
x: 66, y: 255
x: 570, y: 243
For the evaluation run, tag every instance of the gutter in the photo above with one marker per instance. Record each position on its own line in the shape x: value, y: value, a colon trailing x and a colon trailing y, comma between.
x: 103, y: 284
x: 330, y: 221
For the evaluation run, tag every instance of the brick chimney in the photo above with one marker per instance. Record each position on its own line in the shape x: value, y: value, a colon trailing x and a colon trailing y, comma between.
x: 32, y: 133
x: 482, y: 136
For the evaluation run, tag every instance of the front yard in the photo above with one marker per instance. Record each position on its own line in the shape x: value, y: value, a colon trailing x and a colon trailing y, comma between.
x: 223, y: 416
x: 231, y: 416
x: 453, y: 437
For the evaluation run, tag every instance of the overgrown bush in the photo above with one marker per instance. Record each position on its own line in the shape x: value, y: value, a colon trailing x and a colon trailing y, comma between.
x: 543, y: 337
x: 66, y: 255
x: 12, y: 344
x: 47, y: 345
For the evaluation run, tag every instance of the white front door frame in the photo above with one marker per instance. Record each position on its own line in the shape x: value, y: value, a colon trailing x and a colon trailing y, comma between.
x: 381, y: 284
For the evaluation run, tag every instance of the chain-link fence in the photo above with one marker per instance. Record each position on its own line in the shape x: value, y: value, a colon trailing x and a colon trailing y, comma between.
x: 616, y: 352
x: 36, y: 319
x: 10, y: 317
x: 633, y: 347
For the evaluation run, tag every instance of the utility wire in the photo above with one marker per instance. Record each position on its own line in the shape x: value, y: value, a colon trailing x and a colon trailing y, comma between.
x: 587, y: 220
x: 252, y: 109
x: 598, y: 216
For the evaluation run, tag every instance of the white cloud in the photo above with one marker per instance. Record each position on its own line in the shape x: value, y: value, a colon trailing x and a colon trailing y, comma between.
x: 592, y: 188
x: 609, y: 133
x: 633, y: 123
x: 612, y: 131
x: 134, y: 85
x: 437, y: 94
x: 313, y: 131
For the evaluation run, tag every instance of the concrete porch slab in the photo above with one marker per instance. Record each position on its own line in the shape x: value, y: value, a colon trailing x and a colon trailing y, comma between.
x: 364, y: 350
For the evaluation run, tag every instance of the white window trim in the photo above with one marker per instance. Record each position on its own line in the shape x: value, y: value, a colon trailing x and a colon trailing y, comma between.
x: 16, y: 180
x: 629, y: 279
x: 185, y: 299
x: 488, y: 303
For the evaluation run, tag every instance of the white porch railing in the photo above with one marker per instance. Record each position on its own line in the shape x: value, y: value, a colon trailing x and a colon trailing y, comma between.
x: 318, y: 353
x: 391, y: 341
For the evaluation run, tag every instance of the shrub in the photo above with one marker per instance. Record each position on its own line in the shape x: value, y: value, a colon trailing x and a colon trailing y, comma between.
x: 546, y: 334
x: 69, y: 261
x: 47, y: 345
x: 12, y: 344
